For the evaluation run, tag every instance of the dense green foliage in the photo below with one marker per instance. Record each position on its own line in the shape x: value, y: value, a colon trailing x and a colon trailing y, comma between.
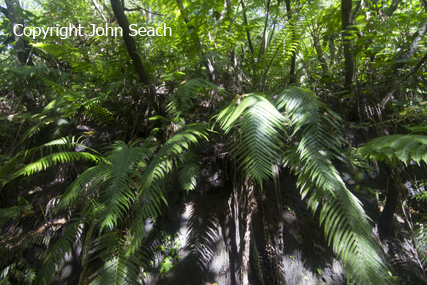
x: 117, y: 122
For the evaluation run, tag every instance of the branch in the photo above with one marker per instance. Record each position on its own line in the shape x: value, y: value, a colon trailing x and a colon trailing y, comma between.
x: 248, y: 35
x: 392, y: 7
x: 143, y: 9
x: 99, y: 11
x: 354, y: 12
x: 403, y: 78
x: 263, y: 39
x: 4, y: 11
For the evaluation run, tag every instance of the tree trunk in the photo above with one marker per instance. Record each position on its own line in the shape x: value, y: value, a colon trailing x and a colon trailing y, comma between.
x: 346, y: 6
x: 392, y: 201
x: 321, y: 57
x: 248, y: 35
x: 245, y: 264
x: 264, y: 33
x: 133, y: 52
x: 14, y: 15
x: 293, y: 60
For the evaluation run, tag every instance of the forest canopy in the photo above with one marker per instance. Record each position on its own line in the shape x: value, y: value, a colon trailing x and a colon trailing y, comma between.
x: 199, y: 142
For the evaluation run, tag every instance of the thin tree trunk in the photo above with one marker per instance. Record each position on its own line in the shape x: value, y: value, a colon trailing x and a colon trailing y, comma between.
x: 133, y: 52
x: 321, y: 57
x: 245, y: 265
x: 391, y: 203
x: 346, y: 6
x: 14, y: 15
x: 99, y: 11
x: 401, y: 80
x: 263, y: 39
x: 248, y: 35
x: 293, y: 59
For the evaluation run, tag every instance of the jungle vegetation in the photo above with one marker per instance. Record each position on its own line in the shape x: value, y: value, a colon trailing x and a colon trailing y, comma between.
x: 99, y: 134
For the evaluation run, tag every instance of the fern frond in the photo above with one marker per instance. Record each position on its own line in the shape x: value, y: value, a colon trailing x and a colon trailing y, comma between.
x: 188, y: 172
x: 181, y: 99
x: 12, y: 213
x: 53, y: 159
x: 19, y: 271
x: 396, y: 147
x: 63, y: 245
x: 117, y: 194
x: 259, y: 123
x: 91, y: 178
x: 101, y: 114
x: 280, y: 50
x: 171, y: 152
x: 345, y: 223
x: 203, y: 236
x: 123, y: 262
x: 187, y: 176
x: 151, y: 183
x: 49, y: 160
x: 421, y: 236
